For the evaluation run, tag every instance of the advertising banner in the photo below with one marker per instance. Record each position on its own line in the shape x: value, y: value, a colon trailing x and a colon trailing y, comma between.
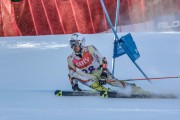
x: 167, y: 23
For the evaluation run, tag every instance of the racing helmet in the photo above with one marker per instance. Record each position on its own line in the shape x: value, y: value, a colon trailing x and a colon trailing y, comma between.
x: 77, y: 39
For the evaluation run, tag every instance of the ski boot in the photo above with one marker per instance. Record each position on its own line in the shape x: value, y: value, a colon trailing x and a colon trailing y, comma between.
x: 75, y: 87
x: 98, y: 87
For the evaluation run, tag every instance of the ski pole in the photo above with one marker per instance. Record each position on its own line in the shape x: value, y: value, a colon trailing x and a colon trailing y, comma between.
x: 134, y: 79
x: 156, y: 78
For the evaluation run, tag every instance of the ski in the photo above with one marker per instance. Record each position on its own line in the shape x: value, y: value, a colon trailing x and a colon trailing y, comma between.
x: 112, y: 94
x: 77, y: 93
x: 106, y: 94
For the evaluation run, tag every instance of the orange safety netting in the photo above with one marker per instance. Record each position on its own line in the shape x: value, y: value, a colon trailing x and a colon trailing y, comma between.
x: 43, y: 17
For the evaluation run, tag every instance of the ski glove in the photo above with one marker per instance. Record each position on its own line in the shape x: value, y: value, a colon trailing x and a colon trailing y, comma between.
x: 75, y: 87
x: 102, y: 80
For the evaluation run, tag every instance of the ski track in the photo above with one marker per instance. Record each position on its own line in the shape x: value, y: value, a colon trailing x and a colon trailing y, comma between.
x: 43, y: 104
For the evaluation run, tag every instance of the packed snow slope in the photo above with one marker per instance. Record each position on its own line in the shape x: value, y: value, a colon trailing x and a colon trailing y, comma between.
x: 31, y: 68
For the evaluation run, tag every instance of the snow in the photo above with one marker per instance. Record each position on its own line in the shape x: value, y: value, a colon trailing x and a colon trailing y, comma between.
x: 32, y: 67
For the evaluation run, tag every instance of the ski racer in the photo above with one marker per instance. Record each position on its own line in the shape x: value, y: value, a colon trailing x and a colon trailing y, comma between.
x: 88, y: 66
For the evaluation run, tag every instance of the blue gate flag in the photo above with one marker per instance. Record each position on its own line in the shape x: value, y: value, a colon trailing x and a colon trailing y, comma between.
x: 129, y: 47
x: 118, y: 50
x: 126, y: 45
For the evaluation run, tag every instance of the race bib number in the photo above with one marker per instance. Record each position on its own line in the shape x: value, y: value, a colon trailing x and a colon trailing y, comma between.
x: 89, y: 70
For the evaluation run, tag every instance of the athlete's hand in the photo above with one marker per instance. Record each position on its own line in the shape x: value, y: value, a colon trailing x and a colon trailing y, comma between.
x: 103, y: 77
x: 102, y: 81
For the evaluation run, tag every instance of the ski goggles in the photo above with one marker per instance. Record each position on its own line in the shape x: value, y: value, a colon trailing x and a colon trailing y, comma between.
x: 75, y: 43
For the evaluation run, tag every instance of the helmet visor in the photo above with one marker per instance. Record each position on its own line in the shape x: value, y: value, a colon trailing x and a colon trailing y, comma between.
x: 74, y: 43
